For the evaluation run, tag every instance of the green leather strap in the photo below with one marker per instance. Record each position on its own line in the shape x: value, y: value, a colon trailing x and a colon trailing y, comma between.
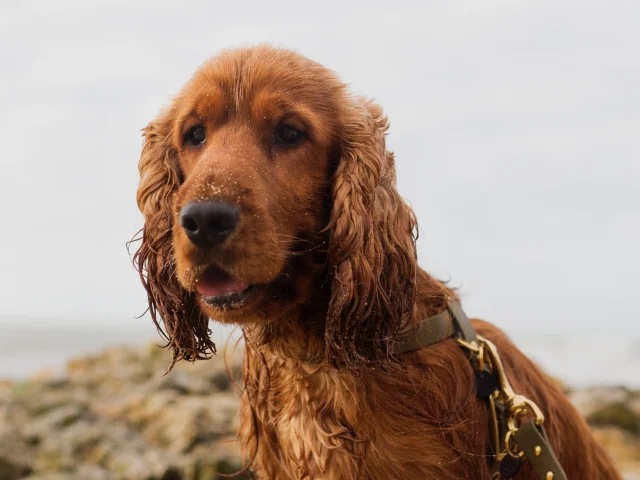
x: 532, y: 440
x: 445, y: 324
x: 465, y: 329
x: 428, y: 332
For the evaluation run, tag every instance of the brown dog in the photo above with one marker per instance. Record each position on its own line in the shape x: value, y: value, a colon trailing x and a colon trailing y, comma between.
x: 270, y: 202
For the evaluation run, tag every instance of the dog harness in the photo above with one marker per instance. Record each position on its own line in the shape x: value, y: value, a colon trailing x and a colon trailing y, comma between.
x: 513, y: 439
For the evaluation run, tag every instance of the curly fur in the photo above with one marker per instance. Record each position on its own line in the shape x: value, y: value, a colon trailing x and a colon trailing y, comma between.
x: 186, y: 325
x: 330, y: 245
x: 372, y: 253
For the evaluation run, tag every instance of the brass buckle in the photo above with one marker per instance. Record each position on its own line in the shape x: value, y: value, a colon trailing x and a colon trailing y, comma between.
x: 516, y: 406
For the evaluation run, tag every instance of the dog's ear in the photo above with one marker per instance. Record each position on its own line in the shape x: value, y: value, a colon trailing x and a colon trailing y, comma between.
x: 186, y: 327
x: 372, y: 254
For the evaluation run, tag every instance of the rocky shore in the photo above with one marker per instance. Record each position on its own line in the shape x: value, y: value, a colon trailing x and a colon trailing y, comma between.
x: 116, y: 416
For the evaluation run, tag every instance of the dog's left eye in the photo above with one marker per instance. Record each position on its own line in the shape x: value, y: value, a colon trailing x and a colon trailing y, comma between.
x: 196, y: 136
x: 288, y: 135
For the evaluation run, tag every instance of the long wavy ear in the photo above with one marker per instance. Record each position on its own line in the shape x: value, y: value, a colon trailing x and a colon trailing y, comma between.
x: 187, y: 329
x: 372, y: 253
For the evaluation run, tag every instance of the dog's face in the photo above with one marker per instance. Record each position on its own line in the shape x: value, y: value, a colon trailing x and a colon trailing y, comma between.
x: 255, y: 139
x: 263, y: 183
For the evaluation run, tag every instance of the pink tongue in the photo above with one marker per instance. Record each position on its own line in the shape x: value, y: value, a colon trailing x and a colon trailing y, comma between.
x: 215, y: 283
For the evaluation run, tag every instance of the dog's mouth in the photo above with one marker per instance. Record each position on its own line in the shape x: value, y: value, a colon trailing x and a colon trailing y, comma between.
x: 219, y: 289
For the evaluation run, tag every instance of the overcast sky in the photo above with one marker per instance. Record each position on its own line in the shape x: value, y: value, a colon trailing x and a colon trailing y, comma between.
x: 516, y: 127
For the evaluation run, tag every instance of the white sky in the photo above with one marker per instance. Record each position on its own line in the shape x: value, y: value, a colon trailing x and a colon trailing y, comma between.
x: 515, y: 124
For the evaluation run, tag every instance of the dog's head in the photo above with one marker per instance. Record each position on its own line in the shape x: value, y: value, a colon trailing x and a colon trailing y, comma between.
x: 264, y: 185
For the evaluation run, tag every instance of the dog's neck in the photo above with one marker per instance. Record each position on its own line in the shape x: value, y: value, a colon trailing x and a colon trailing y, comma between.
x: 432, y: 296
x: 298, y: 334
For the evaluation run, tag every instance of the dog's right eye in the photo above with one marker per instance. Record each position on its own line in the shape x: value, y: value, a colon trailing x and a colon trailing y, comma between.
x: 288, y: 135
x: 196, y: 136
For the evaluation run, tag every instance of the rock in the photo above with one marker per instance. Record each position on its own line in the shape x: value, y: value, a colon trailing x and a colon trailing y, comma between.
x: 53, y: 476
x: 230, y: 468
x: 16, y: 455
x: 183, y: 382
x: 44, y: 399
x: 84, y: 472
x: 172, y: 474
x: 191, y: 420
x: 616, y: 414
x: 117, y: 416
x: 12, y: 468
x: 55, y: 419
x: 595, y: 398
x: 148, y: 409
x: 92, y: 472
x: 634, y: 404
x: 623, y: 447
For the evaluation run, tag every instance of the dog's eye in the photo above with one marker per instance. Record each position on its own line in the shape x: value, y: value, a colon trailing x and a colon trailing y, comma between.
x: 196, y: 135
x: 288, y: 135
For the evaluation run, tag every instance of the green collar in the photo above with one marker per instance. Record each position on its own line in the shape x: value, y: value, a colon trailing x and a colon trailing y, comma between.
x: 452, y: 321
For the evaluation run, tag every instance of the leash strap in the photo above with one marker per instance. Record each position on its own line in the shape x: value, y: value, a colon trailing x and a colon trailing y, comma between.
x: 511, y: 439
x: 534, y: 443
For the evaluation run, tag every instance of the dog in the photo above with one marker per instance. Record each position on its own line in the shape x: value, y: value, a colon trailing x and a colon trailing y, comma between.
x: 270, y: 203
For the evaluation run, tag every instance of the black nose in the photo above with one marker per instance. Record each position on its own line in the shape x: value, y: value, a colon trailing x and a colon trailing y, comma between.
x: 208, y: 223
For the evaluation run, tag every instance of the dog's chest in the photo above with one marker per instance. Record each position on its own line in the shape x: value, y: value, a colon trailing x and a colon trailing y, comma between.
x: 319, y: 423
x: 306, y: 425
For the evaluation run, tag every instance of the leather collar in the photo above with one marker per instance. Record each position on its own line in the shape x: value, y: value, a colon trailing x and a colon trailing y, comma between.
x: 451, y: 322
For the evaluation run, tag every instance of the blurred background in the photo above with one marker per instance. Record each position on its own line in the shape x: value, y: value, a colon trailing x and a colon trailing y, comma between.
x: 515, y: 126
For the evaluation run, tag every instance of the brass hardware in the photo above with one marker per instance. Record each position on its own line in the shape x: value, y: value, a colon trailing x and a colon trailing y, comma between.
x: 507, y: 445
x: 473, y: 346
x: 481, y: 357
x: 515, y: 406
x: 495, y: 430
x: 549, y: 476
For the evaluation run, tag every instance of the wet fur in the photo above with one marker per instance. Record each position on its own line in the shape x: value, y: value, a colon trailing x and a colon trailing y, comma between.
x: 327, y: 235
